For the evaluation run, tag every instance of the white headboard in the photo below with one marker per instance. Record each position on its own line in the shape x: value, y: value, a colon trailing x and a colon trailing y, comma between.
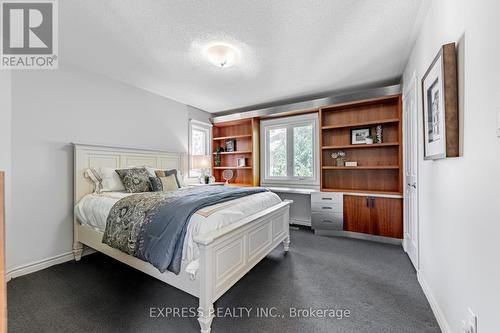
x: 93, y: 156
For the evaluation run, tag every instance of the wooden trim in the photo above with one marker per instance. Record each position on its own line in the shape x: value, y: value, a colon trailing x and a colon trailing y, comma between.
x: 450, y: 93
x: 451, y: 100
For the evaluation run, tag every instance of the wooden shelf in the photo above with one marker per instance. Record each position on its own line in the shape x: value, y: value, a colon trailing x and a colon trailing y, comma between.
x: 380, y: 164
x: 245, y: 133
x: 365, y: 123
x: 375, y: 145
x: 233, y: 137
x: 345, y: 190
x: 232, y: 168
x: 239, y: 184
x: 362, y: 167
x: 234, y: 152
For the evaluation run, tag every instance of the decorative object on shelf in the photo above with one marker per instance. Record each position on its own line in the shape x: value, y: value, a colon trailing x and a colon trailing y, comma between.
x: 211, y: 180
x: 440, y: 101
x: 369, y: 140
x: 227, y: 175
x: 240, y: 162
x: 207, y: 179
x: 358, y: 136
x: 339, y: 157
x: 218, y: 150
x: 378, y: 134
x: 351, y: 163
x: 230, y: 145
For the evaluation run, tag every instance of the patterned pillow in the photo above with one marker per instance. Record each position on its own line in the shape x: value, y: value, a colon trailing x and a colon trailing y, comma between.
x: 169, y: 183
x: 166, y: 173
x: 156, y: 184
x: 135, y: 180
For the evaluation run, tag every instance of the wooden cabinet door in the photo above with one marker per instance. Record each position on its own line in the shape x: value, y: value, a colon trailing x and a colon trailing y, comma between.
x: 386, y: 217
x: 356, y: 214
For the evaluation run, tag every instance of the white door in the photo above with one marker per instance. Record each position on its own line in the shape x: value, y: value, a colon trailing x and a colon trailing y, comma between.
x: 410, y: 110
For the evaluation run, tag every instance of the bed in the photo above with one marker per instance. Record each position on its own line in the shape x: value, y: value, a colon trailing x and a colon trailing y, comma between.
x: 222, y: 244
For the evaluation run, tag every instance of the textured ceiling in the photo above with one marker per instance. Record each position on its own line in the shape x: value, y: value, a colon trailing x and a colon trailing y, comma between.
x: 289, y: 48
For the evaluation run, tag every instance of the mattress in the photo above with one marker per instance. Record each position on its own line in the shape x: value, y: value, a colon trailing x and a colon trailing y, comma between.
x: 93, y: 210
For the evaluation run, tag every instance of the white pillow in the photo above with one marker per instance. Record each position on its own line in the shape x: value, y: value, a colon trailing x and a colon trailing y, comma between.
x: 95, y: 178
x: 110, y: 181
x: 180, y: 176
x: 151, y: 171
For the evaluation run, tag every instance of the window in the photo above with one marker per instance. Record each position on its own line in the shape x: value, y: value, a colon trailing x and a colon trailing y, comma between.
x: 290, y: 150
x: 199, y: 143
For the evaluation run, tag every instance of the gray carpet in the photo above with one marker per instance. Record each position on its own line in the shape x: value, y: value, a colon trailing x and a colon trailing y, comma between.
x: 375, y: 282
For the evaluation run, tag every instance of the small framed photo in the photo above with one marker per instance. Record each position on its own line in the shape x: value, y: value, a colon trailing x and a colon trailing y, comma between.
x: 358, y: 136
x: 230, y: 145
x: 240, y: 162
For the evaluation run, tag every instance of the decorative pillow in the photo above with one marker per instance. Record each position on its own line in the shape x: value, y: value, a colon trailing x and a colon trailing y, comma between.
x: 166, y: 173
x: 169, y: 183
x: 135, y: 180
x: 96, y: 179
x: 110, y: 180
x: 151, y: 171
x: 156, y: 185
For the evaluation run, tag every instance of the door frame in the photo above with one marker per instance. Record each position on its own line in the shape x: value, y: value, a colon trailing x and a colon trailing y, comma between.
x: 412, y: 85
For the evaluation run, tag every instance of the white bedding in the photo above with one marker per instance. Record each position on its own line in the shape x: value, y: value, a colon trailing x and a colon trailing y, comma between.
x: 93, y: 210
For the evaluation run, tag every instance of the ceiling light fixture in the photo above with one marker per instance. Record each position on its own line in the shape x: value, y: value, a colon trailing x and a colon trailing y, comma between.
x: 222, y: 55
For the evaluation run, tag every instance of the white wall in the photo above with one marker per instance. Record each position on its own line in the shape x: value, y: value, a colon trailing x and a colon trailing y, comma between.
x: 50, y: 110
x: 459, y: 199
x: 5, y: 138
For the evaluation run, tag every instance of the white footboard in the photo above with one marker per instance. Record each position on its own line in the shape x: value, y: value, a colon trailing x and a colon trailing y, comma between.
x: 226, y: 255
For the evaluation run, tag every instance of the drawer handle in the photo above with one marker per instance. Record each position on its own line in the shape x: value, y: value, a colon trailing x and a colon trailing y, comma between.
x: 326, y: 207
x: 328, y: 221
x: 326, y: 198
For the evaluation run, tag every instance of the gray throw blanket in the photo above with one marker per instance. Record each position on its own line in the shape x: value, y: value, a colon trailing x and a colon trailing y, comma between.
x: 151, y: 226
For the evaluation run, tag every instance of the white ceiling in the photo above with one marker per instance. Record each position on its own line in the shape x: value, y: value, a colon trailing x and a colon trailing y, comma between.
x: 290, y: 48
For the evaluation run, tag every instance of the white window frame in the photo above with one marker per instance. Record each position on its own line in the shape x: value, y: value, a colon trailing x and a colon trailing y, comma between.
x: 289, y: 123
x: 205, y: 127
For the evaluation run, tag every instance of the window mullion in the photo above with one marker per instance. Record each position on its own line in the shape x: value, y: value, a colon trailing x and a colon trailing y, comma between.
x: 289, y: 151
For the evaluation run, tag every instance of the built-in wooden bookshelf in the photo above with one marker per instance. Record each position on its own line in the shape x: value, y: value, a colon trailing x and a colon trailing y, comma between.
x: 245, y: 132
x: 379, y: 169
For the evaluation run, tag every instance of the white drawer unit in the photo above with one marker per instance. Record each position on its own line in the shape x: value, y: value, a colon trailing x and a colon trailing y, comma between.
x: 327, y: 210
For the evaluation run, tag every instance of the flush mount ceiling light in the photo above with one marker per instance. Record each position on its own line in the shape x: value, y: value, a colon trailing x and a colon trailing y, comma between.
x: 222, y: 55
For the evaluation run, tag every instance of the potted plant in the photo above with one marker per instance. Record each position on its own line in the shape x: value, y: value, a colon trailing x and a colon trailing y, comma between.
x: 218, y: 150
x: 339, y: 157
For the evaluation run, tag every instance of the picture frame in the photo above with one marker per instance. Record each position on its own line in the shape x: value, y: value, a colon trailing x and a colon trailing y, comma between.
x: 230, y: 145
x: 358, y: 136
x: 240, y: 162
x: 440, y: 106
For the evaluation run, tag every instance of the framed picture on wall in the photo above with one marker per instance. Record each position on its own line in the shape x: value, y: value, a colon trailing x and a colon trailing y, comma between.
x: 440, y: 106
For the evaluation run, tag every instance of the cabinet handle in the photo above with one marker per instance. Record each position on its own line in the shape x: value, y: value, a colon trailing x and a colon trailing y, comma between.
x: 368, y: 202
x: 327, y: 221
x: 326, y: 199
x: 326, y: 207
x: 372, y: 202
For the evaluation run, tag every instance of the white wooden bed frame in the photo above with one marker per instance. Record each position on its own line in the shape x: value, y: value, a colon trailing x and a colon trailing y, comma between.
x: 226, y: 255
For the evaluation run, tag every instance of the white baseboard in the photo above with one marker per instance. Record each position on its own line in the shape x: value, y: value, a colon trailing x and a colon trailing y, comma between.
x: 443, y: 323
x: 42, y: 264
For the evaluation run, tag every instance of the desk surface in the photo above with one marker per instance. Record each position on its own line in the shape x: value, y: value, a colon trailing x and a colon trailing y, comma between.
x: 306, y: 191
